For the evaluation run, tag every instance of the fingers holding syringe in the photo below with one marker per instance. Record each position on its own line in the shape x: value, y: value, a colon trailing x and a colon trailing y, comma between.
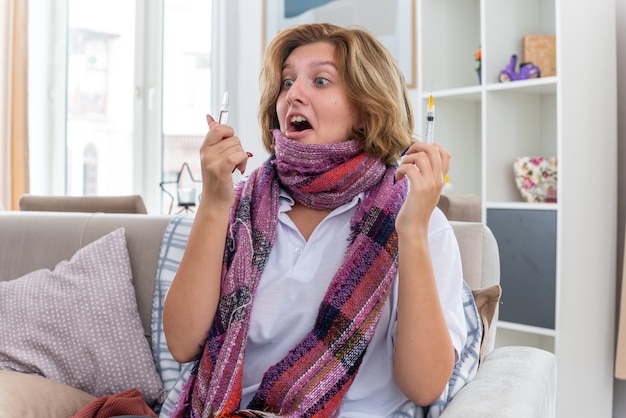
x: 437, y: 156
x: 425, y: 166
x: 220, y: 154
x: 445, y: 156
x: 221, y: 151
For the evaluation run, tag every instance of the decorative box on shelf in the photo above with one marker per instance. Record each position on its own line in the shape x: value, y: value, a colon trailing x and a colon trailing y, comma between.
x: 536, y: 178
x: 541, y: 51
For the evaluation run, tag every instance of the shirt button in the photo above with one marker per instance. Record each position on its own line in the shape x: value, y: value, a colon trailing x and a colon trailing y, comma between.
x: 298, y: 250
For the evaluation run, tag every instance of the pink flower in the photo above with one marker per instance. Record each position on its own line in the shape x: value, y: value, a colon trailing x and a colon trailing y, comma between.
x: 528, y: 184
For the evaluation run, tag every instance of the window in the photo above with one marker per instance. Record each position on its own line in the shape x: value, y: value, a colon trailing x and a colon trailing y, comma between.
x: 124, y: 89
x: 90, y: 170
x: 100, y: 96
x: 186, y: 85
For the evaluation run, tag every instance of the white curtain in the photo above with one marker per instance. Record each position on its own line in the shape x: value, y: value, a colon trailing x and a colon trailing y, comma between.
x: 14, y: 179
x: 6, y: 42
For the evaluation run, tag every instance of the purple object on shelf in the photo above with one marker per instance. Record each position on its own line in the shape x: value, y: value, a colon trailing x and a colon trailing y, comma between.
x: 526, y: 70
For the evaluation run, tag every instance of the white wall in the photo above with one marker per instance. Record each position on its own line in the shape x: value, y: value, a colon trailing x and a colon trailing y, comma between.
x: 619, y: 393
x: 241, y: 71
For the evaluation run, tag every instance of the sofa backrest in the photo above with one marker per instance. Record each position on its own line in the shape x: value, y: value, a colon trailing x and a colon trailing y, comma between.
x: 479, y: 253
x: 461, y: 207
x: 34, y: 240
x: 107, y: 204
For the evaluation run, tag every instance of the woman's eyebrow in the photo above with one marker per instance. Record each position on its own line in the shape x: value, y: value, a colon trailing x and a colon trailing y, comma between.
x: 314, y: 64
x: 324, y: 64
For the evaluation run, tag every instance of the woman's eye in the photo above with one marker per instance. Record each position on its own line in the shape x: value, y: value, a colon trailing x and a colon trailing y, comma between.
x: 321, y: 81
x: 287, y: 83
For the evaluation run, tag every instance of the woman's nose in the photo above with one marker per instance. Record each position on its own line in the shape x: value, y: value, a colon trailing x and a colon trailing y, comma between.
x: 295, y: 94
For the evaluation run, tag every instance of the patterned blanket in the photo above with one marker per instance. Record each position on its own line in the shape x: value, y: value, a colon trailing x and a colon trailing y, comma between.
x: 173, y: 244
x: 464, y: 370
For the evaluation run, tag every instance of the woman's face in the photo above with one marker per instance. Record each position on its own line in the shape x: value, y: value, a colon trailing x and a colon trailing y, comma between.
x: 312, y: 106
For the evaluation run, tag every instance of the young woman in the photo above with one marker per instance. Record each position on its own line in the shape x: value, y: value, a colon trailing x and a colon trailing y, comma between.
x: 326, y: 284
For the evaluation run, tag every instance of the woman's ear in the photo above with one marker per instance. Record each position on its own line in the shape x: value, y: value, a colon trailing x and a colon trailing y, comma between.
x: 361, y: 123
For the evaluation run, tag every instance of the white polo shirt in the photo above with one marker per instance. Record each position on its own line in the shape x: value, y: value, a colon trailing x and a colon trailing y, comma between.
x: 293, y: 285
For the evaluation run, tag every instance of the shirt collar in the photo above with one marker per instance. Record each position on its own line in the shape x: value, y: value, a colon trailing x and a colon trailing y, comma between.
x: 286, y: 202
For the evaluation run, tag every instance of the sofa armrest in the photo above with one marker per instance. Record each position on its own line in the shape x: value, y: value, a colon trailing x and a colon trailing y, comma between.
x: 512, y: 382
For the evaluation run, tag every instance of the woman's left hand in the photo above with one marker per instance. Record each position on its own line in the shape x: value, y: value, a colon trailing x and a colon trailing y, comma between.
x: 425, y: 166
x: 424, y: 354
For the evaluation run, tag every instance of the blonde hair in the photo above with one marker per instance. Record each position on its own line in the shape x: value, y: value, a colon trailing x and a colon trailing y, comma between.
x: 372, y: 80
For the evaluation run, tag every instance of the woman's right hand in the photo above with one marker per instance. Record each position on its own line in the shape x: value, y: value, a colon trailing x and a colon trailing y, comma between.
x: 220, y: 154
x: 193, y: 297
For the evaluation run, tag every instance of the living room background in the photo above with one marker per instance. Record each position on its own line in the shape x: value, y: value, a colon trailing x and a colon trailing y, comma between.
x: 236, y: 70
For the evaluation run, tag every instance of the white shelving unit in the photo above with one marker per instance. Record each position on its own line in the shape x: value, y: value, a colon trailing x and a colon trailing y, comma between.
x: 561, y: 294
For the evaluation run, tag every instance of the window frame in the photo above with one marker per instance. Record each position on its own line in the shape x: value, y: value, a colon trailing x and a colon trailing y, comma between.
x: 48, y: 108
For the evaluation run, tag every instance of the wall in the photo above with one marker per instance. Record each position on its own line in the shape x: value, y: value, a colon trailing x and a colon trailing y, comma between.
x: 619, y: 392
x: 241, y: 71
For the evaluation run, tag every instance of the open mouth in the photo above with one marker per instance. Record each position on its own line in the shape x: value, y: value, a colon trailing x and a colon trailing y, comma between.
x: 299, y: 123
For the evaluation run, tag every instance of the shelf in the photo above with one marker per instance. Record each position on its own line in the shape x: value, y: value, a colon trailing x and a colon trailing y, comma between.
x: 452, y: 27
x: 521, y: 205
x: 539, y: 86
x: 517, y: 125
x: 458, y: 128
x: 525, y: 337
x: 472, y: 93
x: 527, y: 328
x: 545, y: 268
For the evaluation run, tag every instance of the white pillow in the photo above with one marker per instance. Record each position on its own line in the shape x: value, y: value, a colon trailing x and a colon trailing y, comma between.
x: 79, y: 324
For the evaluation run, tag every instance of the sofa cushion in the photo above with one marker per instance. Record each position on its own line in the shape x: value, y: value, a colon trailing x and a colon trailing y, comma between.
x: 78, y: 324
x: 53, y: 399
x: 487, y: 300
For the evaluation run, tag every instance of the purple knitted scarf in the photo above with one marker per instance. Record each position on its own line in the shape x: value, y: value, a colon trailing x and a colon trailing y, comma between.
x: 311, y: 380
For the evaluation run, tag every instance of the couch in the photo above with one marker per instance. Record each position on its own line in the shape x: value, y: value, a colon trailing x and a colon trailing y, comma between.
x: 461, y: 207
x: 511, y: 381
x: 107, y: 204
